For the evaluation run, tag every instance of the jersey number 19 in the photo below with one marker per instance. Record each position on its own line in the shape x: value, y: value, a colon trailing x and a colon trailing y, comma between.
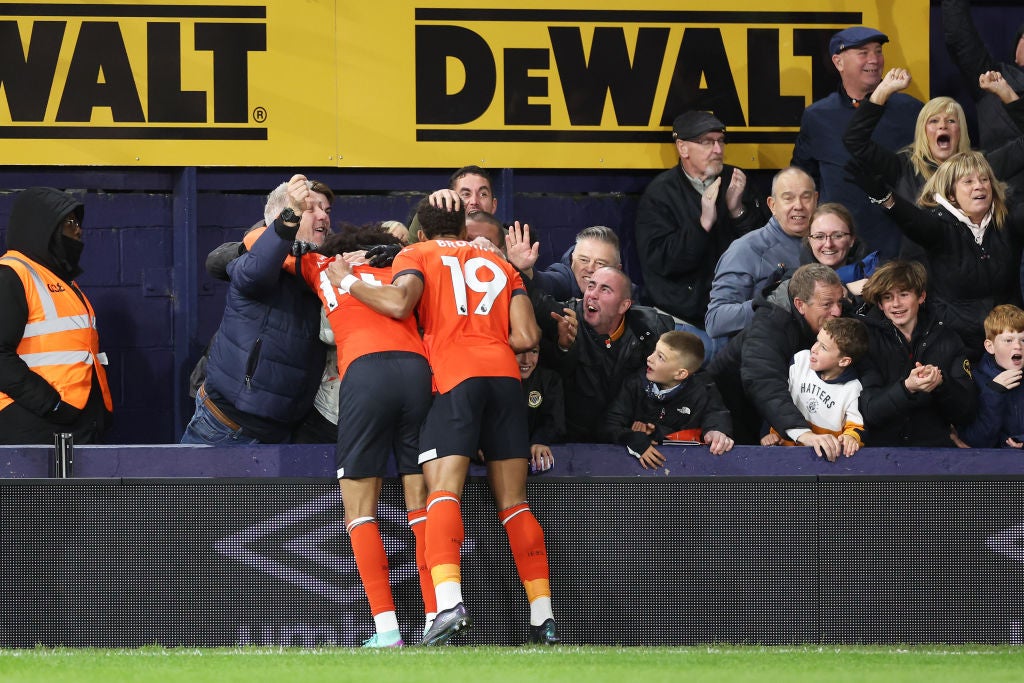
x: 469, y: 278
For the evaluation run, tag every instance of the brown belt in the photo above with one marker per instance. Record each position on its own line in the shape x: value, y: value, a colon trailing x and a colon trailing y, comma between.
x: 217, y: 412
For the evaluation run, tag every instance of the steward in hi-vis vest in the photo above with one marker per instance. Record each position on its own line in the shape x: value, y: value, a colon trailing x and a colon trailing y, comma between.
x: 52, y: 377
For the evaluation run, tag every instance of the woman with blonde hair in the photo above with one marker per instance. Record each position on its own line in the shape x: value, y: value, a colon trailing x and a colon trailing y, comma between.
x: 973, y: 239
x: 940, y: 132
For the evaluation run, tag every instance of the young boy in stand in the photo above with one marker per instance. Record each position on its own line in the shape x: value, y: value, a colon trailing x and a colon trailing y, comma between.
x: 670, y: 401
x: 916, y: 375
x: 824, y: 385
x: 999, y: 422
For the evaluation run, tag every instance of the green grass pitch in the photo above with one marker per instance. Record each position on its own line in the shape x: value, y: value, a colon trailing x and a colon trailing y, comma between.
x: 840, y: 664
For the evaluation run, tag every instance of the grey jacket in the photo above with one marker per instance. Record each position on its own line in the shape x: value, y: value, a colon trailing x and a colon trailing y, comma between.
x: 751, y: 263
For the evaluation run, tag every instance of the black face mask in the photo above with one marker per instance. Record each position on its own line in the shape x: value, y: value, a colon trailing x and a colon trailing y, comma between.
x: 72, y: 251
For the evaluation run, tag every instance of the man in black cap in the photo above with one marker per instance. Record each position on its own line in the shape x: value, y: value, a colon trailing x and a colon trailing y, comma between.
x: 972, y: 57
x: 687, y: 218
x: 856, y: 53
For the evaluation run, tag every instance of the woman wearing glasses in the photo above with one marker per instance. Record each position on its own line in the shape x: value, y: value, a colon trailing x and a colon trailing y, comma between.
x: 832, y: 241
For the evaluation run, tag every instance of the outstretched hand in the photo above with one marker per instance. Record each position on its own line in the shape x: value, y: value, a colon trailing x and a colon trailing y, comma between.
x: 993, y: 82
x: 298, y: 193
x: 446, y: 199
x: 521, y: 253
x: 894, y: 81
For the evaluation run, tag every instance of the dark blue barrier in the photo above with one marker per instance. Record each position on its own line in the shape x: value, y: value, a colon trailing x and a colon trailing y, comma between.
x: 200, y: 546
x: 571, y: 460
x: 657, y: 560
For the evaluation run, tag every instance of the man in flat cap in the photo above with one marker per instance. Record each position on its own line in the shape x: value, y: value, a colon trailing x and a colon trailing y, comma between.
x: 857, y: 55
x: 687, y: 218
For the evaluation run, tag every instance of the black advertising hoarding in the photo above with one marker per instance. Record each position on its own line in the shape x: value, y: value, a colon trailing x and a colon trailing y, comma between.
x: 670, y: 561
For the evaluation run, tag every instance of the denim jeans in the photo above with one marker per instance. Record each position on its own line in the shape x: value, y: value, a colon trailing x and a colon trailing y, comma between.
x: 205, y: 428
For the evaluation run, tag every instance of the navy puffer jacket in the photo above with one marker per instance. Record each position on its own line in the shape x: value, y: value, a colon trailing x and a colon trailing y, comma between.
x: 267, y: 359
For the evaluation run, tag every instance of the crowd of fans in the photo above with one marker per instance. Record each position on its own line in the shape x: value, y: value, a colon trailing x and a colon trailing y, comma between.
x: 887, y: 217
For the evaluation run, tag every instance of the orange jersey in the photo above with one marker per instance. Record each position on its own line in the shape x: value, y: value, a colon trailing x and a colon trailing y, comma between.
x: 464, y: 310
x: 359, y: 330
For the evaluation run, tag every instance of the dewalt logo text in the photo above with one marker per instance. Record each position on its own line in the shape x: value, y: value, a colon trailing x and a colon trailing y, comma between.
x: 130, y: 71
x: 648, y: 65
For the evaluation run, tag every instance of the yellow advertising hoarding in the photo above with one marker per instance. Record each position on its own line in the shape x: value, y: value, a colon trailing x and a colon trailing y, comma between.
x: 592, y: 84
x: 396, y: 84
x: 161, y: 84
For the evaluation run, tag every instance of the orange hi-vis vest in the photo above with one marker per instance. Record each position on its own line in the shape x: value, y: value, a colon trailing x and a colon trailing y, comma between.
x: 60, y: 342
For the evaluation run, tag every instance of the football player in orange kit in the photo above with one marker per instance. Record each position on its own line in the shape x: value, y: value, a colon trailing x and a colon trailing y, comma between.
x: 475, y: 316
x: 384, y: 395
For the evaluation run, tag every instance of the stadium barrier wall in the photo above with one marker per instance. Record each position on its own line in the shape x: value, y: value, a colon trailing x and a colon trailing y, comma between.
x: 196, y: 546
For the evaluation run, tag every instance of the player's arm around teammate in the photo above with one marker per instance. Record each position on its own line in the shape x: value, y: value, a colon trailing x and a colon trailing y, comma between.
x: 396, y: 300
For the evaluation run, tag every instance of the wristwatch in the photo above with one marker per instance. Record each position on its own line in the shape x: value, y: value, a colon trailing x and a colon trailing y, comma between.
x: 289, y: 216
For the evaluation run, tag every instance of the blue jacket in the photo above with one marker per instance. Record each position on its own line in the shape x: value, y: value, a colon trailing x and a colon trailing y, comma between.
x: 1000, y: 410
x: 558, y: 280
x: 748, y: 266
x: 267, y: 359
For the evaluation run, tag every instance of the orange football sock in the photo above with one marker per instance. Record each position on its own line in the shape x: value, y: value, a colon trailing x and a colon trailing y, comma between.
x: 372, y: 562
x: 418, y: 524
x: 526, y: 539
x: 444, y: 535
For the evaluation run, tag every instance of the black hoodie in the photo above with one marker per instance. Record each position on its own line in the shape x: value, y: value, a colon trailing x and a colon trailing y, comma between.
x: 34, y: 230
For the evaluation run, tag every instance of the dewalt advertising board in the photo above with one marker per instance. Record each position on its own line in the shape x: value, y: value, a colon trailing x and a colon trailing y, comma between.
x: 399, y: 84
x: 160, y: 84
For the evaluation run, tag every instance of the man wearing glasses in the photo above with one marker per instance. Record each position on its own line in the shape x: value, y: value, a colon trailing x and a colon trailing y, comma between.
x: 52, y: 376
x: 687, y: 218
